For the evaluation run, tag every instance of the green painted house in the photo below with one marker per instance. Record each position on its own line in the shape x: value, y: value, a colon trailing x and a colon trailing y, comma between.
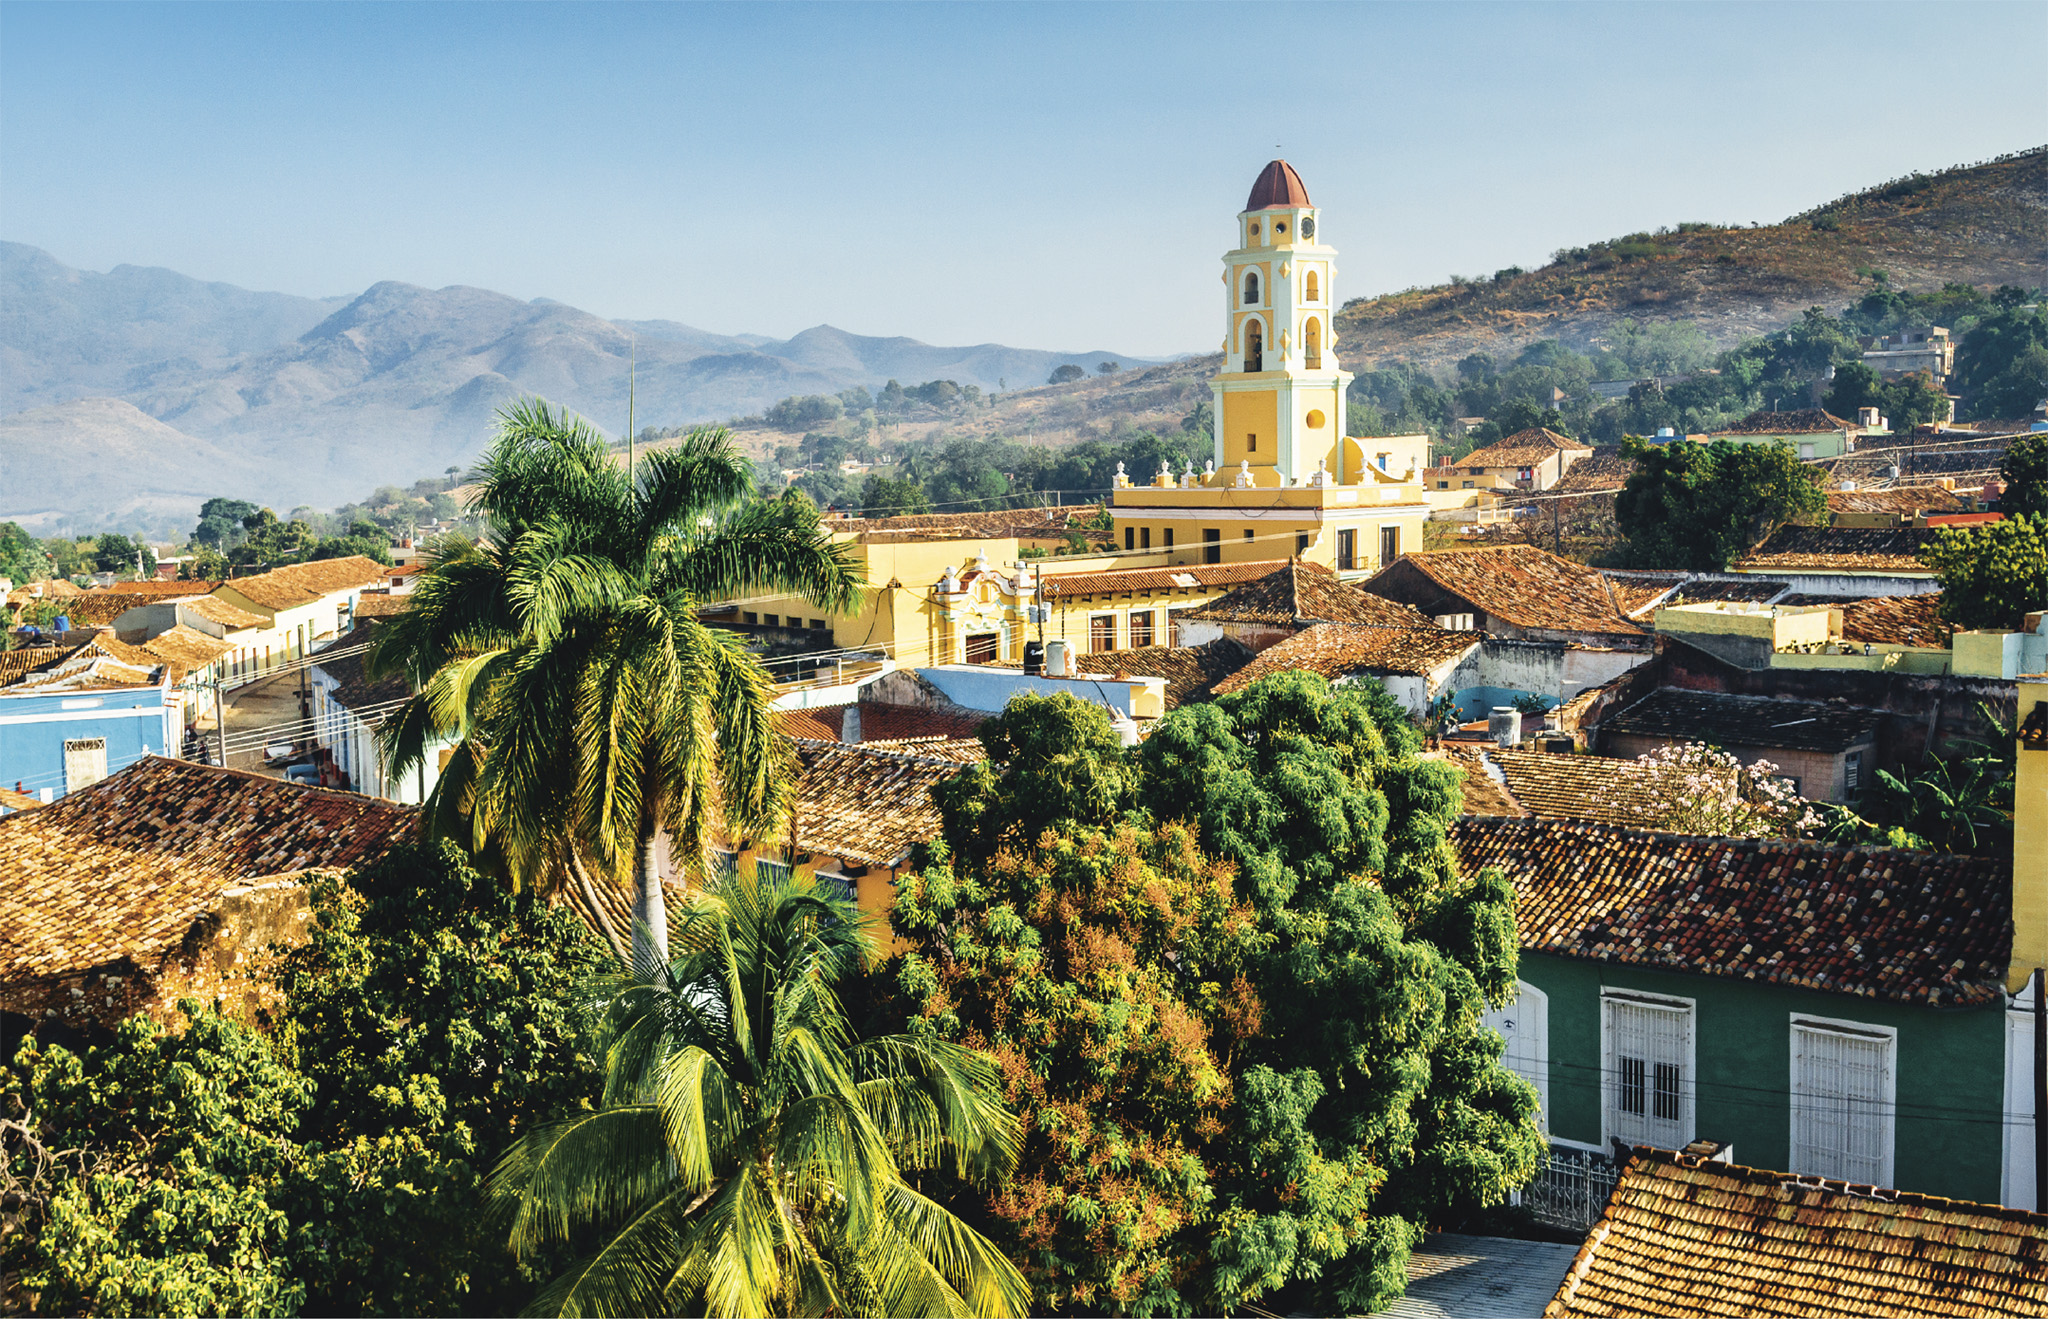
x: 1828, y: 1011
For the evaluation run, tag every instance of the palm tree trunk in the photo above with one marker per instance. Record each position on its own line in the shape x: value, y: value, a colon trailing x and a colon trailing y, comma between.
x: 650, y: 906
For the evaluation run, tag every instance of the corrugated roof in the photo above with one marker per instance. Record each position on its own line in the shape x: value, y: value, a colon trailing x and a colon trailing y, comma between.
x: 1683, y: 1235
x: 122, y: 869
x: 1914, y: 927
x: 1302, y: 593
x: 302, y: 583
x: 1336, y: 649
x: 1524, y: 586
x: 1750, y: 721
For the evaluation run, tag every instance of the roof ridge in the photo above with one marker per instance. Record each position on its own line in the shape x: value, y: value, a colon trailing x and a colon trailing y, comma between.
x: 870, y: 749
x: 1717, y: 840
x: 1859, y: 1190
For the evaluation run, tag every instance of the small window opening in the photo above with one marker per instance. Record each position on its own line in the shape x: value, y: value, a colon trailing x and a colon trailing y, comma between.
x: 1254, y: 347
x: 1313, y: 295
x: 1251, y: 289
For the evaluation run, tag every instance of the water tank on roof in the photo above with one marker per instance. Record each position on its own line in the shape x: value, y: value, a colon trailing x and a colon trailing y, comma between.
x: 63, y: 623
x: 1034, y: 658
x: 1504, y: 725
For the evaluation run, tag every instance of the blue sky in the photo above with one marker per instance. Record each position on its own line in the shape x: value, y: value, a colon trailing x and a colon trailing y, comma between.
x: 1042, y: 175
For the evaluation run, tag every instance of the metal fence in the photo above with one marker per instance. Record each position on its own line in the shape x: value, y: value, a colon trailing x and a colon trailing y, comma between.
x: 1570, y: 1190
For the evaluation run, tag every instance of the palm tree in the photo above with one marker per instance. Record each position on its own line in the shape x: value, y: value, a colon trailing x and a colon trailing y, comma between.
x: 591, y: 713
x: 748, y: 1156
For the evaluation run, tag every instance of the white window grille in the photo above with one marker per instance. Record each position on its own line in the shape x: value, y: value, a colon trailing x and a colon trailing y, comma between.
x: 1648, y: 1069
x: 1842, y: 1100
x: 85, y: 762
x: 770, y: 871
x: 834, y: 883
x: 1525, y: 1025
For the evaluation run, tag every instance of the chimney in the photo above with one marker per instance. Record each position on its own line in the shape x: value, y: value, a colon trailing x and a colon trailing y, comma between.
x: 849, y: 724
x: 2030, y: 837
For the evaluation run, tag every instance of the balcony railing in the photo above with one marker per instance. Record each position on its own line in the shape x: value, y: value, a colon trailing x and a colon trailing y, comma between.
x: 1571, y: 1188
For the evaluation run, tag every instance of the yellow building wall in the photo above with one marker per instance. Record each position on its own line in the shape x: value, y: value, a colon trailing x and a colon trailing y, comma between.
x: 2029, y: 851
x: 1247, y: 413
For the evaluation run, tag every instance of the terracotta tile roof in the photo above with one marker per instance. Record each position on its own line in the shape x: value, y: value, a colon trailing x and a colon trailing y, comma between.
x: 1483, y: 793
x: 101, y: 664
x: 1524, y: 586
x: 369, y: 605
x: 216, y: 610
x: 1522, y: 449
x: 1751, y: 721
x: 881, y: 723
x: 1908, y: 500
x: 170, y: 587
x: 1916, y: 927
x: 1683, y: 1235
x: 1843, y: 549
x: 1191, y: 672
x: 1337, y: 649
x: 1897, y: 620
x: 1804, y: 421
x: 1636, y: 592
x: 1302, y: 593
x: 10, y: 800
x: 354, y: 689
x: 1193, y: 576
x: 187, y: 647
x: 1756, y: 590
x: 303, y: 583
x: 868, y: 805
x: 1573, y: 787
x: 98, y: 608
x: 1605, y: 470
x: 19, y: 663
x: 121, y: 870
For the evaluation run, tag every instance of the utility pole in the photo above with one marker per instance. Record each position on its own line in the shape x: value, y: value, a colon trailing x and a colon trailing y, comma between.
x: 1556, y: 528
x: 220, y: 726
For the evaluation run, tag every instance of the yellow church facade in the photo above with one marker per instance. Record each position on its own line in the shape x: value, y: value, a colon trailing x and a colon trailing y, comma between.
x: 1283, y: 478
x: 1283, y: 481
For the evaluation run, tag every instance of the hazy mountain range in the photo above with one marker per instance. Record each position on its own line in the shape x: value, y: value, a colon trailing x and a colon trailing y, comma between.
x: 128, y: 397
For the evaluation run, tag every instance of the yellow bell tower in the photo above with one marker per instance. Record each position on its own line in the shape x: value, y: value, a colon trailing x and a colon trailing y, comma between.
x: 1280, y: 396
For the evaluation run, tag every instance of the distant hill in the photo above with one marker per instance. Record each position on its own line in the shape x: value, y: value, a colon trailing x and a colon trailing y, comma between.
x: 68, y: 334
x: 319, y: 401
x: 50, y: 483
x: 1980, y: 224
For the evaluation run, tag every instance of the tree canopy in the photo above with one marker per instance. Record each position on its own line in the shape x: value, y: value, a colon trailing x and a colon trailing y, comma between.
x: 1701, y: 506
x: 1993, y: 574
x: 1234, y: 985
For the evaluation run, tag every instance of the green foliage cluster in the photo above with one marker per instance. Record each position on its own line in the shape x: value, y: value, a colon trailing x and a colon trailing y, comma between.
x: 753, y: 1153
x: 336, y: 1164
x: 2024, y: 469
x: 1994, y: 574
x: 1233, y: 983
x: 1907, y: 402
x: 1701, y: 506
x: 22, y: 557
x: 2002, y: 364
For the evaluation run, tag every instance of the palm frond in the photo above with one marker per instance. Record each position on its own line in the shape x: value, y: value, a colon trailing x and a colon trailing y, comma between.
x: 591, y: 1168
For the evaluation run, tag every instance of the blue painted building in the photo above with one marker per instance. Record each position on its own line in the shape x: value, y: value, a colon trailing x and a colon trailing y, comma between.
x: 82, y: 716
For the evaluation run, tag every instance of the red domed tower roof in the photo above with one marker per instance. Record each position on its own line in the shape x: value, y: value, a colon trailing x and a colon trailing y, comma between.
x: 1278, y: 185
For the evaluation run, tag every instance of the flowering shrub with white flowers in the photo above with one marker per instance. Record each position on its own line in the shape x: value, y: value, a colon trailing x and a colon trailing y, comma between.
x: 1693, y: 788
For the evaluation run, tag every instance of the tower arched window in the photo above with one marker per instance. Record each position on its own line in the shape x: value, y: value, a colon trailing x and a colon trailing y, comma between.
x: 1254, y: 347
x: 1313, y: 296
x: 1312, y: 343
x: 1251, y: 289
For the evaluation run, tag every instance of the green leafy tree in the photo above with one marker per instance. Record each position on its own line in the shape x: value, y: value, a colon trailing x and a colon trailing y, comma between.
x: 334, y: 1164
x: 268, y: 542
x: 751, y: 1152
x: 438, y: 1015
x: 221, y: 521
x: 114, y: 552
x: 203, y: 565
x: 591, y: 711
x: 1997, y: 367
x: 21, y: 557
x: 1700, y: 507
x: 805, y: 411
x: 1994, y: 574
x: 1247, y: 1046
x: 375, y: 548
x: 1065, y: 373
x: 1856, y: 385
x: 887, y: 496
x: 2024, y: 470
